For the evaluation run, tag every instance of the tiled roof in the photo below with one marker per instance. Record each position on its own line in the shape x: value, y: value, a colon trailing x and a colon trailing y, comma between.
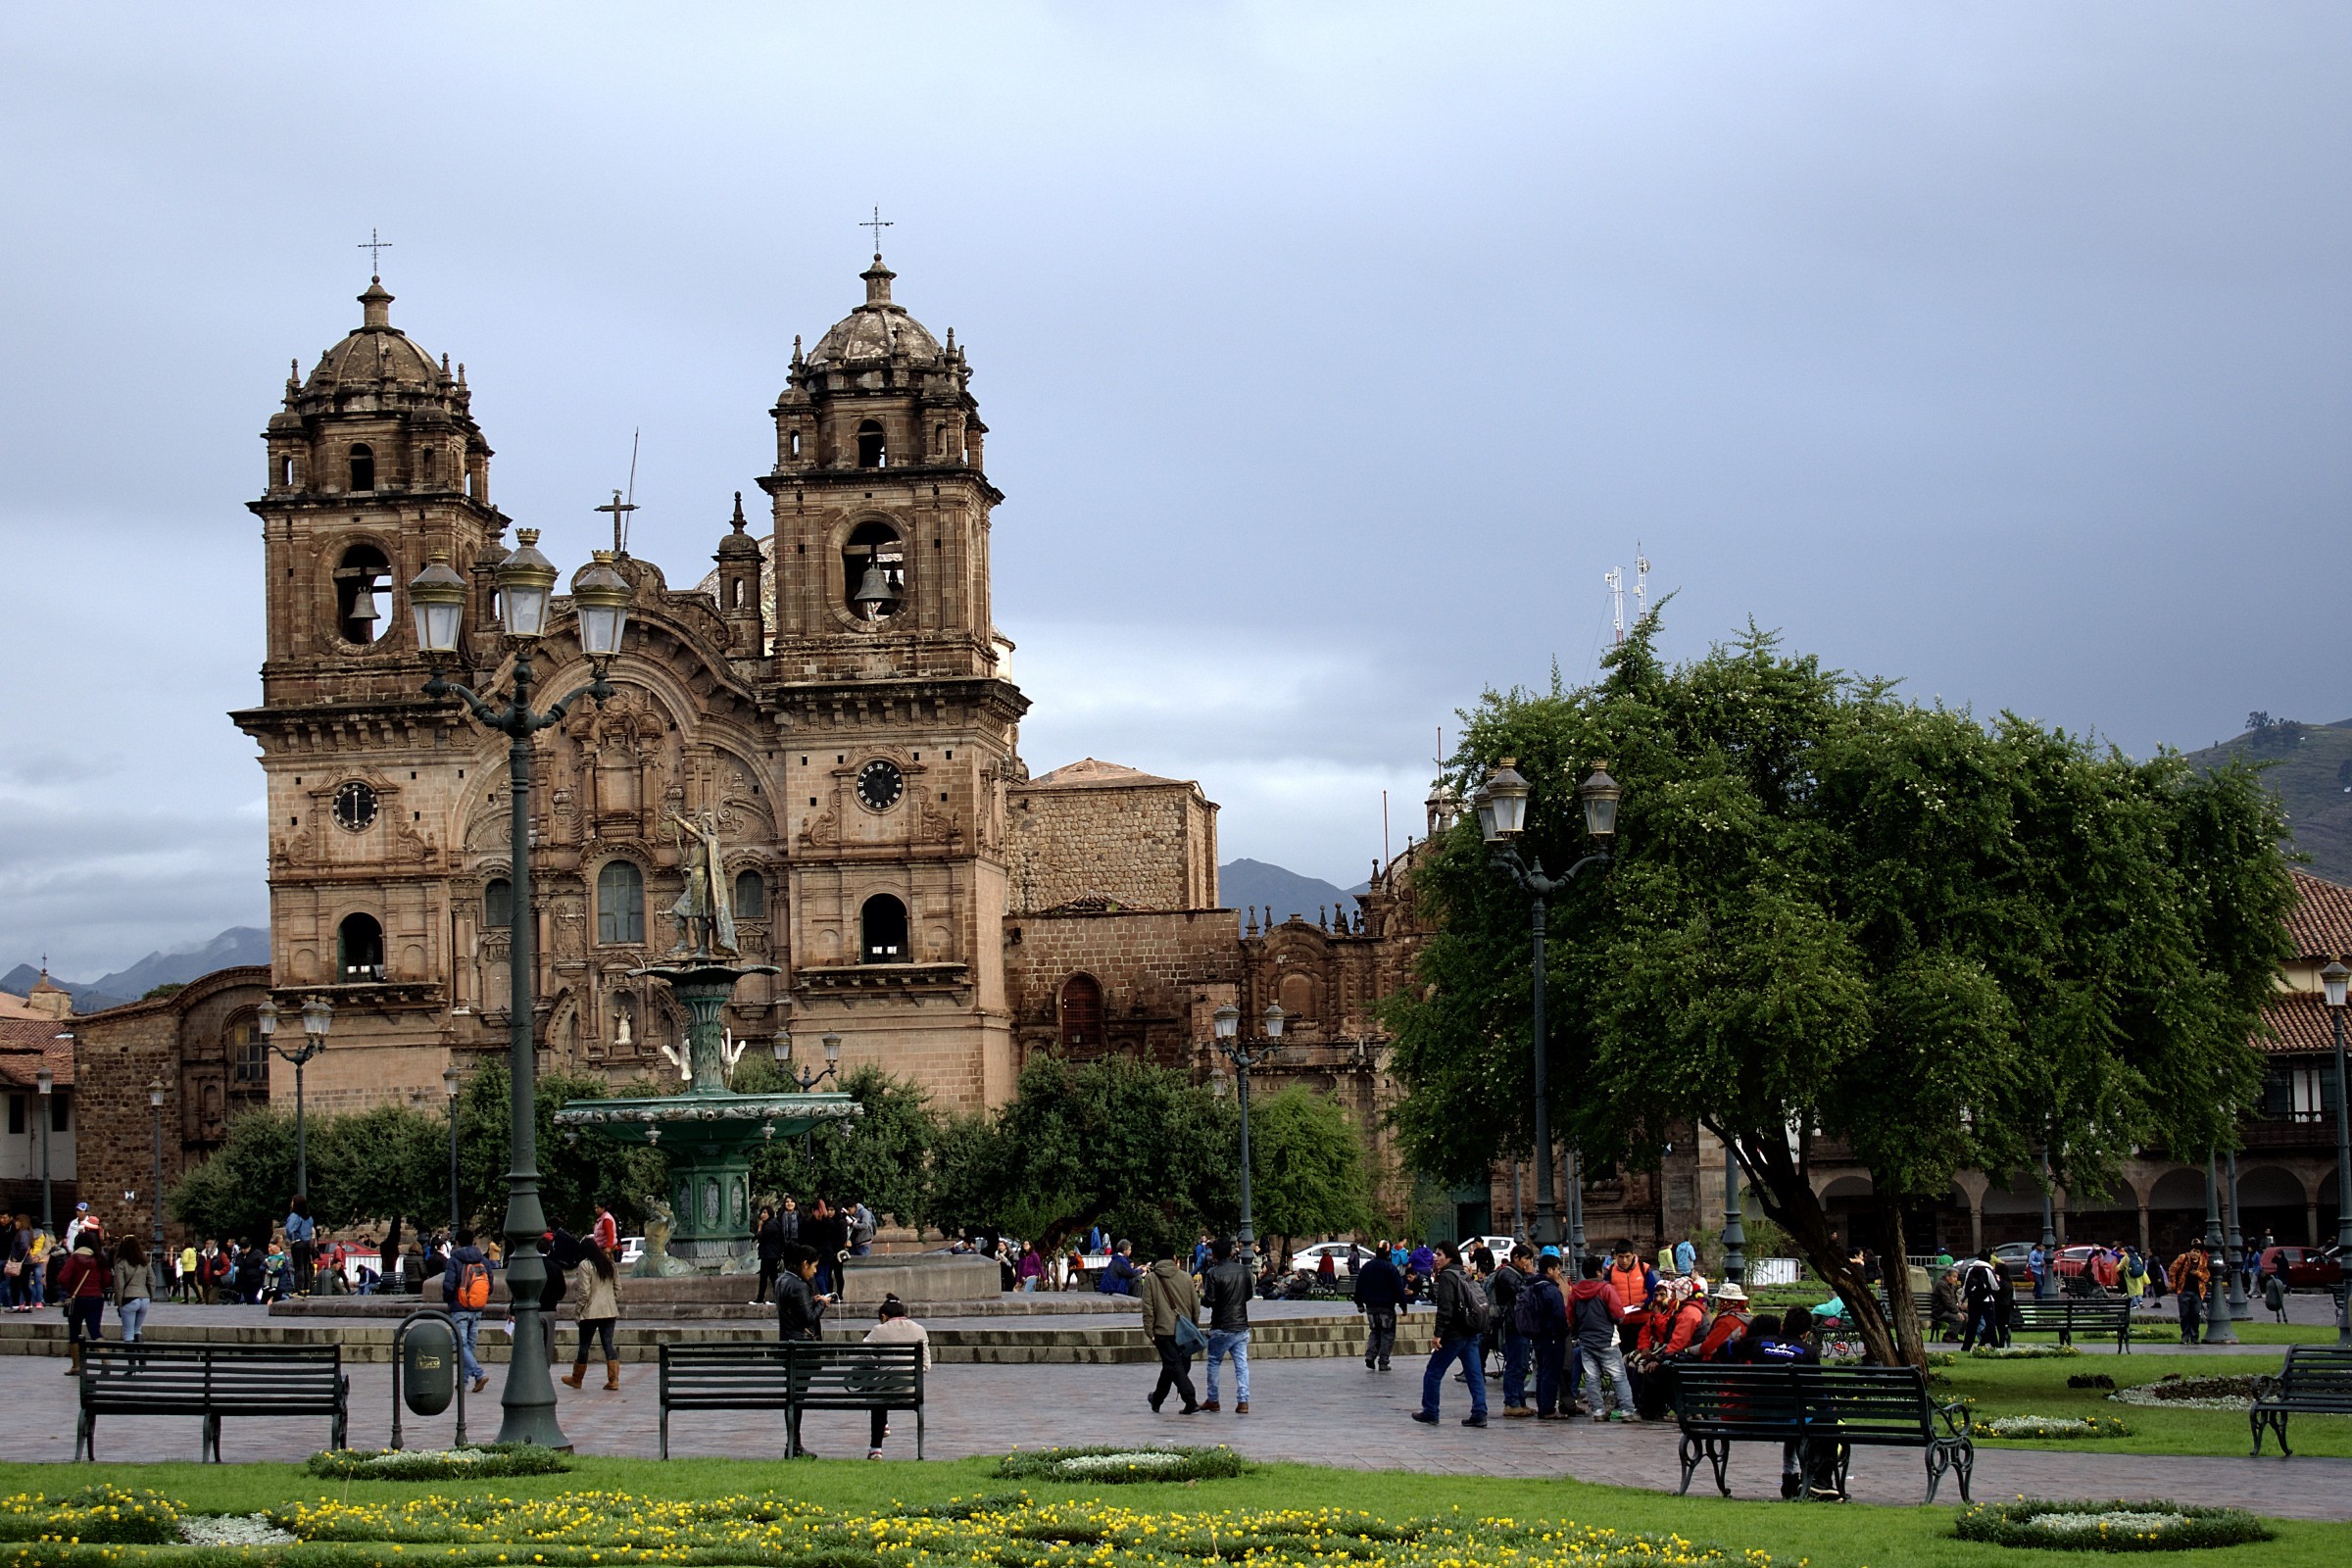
x: 2320, y: 921
x: 1086, y: 773
x: 26, y: 1043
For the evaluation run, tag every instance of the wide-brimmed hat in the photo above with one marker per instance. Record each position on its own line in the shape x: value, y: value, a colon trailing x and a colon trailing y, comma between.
x: 1730, y: 1291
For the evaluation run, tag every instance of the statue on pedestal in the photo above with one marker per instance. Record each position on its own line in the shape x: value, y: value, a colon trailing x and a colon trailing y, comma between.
x: 705, y: 917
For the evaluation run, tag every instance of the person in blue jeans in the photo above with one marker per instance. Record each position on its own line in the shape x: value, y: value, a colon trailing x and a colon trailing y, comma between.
x: 466, y: 1290
x: 1225, y: 1290
x: 1461, y: 1332
x: 1514, y: 1276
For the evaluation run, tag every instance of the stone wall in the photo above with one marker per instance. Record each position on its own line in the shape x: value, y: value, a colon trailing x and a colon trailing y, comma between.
x: 1160, y: 974
x: 1138, y: 842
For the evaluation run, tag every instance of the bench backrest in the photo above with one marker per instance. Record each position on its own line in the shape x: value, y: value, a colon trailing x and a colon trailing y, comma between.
x: 224, y: 1375
x: 801, y: 1370
x: 1888, y: 1401
x: 2318, y: 1372
x: 2074, y: 1314
x: 1729, y: 1398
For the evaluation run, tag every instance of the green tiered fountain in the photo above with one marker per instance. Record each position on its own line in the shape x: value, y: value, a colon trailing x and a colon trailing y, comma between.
x: 706, y: 1130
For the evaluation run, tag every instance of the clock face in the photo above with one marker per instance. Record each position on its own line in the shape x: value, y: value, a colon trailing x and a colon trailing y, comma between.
x: 880, y: 784
x: 354, y: 805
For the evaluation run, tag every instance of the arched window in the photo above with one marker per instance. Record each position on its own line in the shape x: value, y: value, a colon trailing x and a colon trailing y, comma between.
x: 248, y: 1056
x: 286, y: 473
x: 362, y: 581
x: 882, y: 930
x: 1081, y: 1011
x: 424, y: 465
x: 498, y: 903
x: 751, y: 896
x: 363, y: 466
x: 620, y: 904
x: 874, y: 570
x: 1296, y: 993
x: 872, y: 450
x: 360, y: 948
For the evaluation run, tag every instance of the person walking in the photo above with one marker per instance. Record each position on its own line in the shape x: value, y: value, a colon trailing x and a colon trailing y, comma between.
x: 600, y: 1311
x: 1598, y: 1312
x: 19, y: 1265
x: 1461, y: 1332
x: 83, y: 1282
x: 1504, y: 1291
x: 302, y: 1235
x: 1379, y: 1291
x: 896, y: 1328
x: 1978, y: 1291
x: 799, y: 1304
x: 466, y: 1292
x: 1225, y: 1290
x: 1172, y: 1305
x: 133, y: 1288
x: 769, y: 1236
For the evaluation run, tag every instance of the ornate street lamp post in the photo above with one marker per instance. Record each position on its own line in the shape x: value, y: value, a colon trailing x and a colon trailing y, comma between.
x: 2332, y: 980
x: 600, y: 597
x: 155, y: 1102
x: 1734, y: 1235
x: 807, y: 1078
x: 317, y: 1014
x: 1227, y: 1021
x: 2219, y: 1330
x: 1502, y: 817
x: 2047, y: 1286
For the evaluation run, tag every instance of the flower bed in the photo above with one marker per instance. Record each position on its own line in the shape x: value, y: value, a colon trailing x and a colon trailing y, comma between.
x: 2024, y: 1352
x: 102, y: 1514
x: 2108, y: 1526
x: 1122, y: 1464
x: 605, y: 1530
x: 436, y: 1464
x: 2177, y: 1393
x: 2052, y: 1426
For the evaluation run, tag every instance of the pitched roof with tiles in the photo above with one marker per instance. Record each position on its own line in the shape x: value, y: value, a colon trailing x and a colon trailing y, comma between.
x: 2320, y: 921
x: 25, y: 1044
x: 1088, y: 773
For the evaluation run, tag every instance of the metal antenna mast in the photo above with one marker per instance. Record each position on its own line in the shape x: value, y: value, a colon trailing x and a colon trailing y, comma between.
x: 1641, y: 583
x: 1615, y: 578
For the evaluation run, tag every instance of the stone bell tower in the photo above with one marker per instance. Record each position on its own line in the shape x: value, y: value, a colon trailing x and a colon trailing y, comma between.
x: 898, y: 733
x: 374, y: 464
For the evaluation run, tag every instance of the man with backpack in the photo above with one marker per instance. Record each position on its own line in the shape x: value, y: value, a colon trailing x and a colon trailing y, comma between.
x: 1508, y: 1291
x: 466, y: 1290
x: 1461, y: 1333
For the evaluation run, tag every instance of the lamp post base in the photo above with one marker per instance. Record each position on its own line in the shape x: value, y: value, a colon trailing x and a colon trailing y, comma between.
x: 527, y: 1404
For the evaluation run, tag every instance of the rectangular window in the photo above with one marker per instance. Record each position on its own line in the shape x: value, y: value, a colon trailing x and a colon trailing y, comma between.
x: 15, y: 1113
x: 58, y: 1122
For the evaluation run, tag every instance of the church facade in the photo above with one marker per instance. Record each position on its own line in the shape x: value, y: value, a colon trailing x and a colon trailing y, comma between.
x: 834, y: 691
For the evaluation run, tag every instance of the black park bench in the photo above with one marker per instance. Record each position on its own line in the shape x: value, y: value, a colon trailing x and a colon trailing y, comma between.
x: 792, y: 1376
x: 2317, y: 1380
x: 1827, y: 1411
x: 211, y: 1381
x: 2074, y: 1314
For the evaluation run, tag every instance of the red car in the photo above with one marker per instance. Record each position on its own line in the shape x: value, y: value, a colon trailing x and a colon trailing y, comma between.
x: 2306, y: 1268
x: 2073, y: 1260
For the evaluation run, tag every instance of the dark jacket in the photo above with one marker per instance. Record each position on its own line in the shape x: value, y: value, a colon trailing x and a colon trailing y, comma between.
x: 1452, y: 1297
x: 1379, y: 1287
x: 1550, y: 1308
x: 449, y: 1276
x: 1598, y: 1312
x: 1225, y: 1290
x: 800, y: 1315
x: 771, y: 1241
x: 1119, y: 1276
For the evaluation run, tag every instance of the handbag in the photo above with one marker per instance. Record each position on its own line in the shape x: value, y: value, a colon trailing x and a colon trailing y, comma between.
x: 1189, y: 1338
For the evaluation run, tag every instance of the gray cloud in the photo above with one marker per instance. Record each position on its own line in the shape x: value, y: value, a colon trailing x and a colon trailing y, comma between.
x: 1331, y: 354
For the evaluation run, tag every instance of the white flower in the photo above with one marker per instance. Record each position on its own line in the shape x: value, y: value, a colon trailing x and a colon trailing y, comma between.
x: 2126, y: 1520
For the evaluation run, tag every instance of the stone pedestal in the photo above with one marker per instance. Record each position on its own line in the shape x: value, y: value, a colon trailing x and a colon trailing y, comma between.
x: 922, y: 1277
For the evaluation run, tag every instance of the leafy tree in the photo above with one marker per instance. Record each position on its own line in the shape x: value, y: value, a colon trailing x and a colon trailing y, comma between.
x: 241, y: 1192
x: 1833, y: 915
x: 881, y: 1157
x: 1139, y: 1149
x: 169, y: 988
x: 1308, y: 1174
x: 574, y: 1173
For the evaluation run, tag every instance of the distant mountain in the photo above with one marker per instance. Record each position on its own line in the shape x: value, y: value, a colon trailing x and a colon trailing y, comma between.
x: 238, y: 945
x: 1243, y: 884
x: 2310, y: 771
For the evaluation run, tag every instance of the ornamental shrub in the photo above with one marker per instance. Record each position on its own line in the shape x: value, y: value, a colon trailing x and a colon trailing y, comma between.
x: 2119, y: 1526
x: 437, y: 1464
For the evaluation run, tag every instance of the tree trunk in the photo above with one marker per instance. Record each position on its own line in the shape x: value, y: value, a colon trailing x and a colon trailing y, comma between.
x: 1901, y: 1305
x: 1789, y: 1200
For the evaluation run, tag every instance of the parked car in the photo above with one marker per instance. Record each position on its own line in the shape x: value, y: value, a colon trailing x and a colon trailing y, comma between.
x: 632, y: 1248
x: 2306, y: 1268
x: 1500, y: 1246
x: 2013, y: 1254
x: 1346, y: 1257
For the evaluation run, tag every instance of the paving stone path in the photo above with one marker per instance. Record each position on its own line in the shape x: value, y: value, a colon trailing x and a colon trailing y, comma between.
x: 1317, y: 1411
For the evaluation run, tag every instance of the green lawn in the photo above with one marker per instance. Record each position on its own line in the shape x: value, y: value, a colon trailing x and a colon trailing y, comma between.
x: 2039, y: 1388
x: 1819, y: 1536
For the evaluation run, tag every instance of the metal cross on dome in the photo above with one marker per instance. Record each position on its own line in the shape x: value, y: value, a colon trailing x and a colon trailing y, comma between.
x: 877, y: 223
x: 375, y: 248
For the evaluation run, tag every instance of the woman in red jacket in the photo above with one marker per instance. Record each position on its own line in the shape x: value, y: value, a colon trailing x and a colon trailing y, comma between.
x: 83, y: 1282
x: 1677, y: 1313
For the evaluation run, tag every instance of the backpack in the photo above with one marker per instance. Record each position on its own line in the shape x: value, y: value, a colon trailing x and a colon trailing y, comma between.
x: 473, y: 1290
x: 1527, y: 1318
x: 1478, y: 1314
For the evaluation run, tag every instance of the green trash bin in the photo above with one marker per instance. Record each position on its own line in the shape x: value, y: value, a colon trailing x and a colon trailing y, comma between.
x: 428, y: 1366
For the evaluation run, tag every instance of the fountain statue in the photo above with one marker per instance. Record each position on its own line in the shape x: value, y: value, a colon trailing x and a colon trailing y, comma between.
x: 707, y: 1130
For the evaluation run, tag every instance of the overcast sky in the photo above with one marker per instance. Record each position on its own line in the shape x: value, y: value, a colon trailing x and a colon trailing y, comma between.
x: 1331, y: 356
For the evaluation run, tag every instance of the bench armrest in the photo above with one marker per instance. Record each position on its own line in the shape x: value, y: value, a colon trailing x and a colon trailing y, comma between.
x: 2269, y: 1387
x: 1957, y: 1417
